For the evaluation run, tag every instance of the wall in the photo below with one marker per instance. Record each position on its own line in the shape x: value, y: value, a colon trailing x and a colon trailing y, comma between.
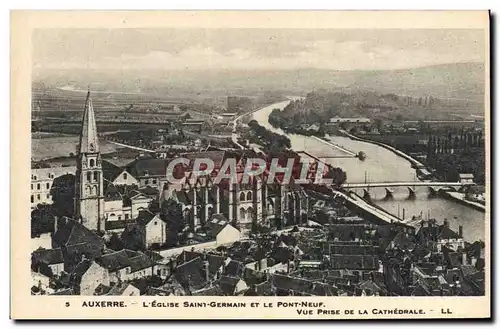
x: 43, y: 241
x: 114, y: 207
x: 229, y: 234
x: 121, y: 274
x: 38, y: 278
x: 94, y: 276
x: 131, y: 291
x: 125, y: 179
x: 152, y: 181
x: 155, y: 231
x: 140, y: 274
x: 57, y: 268
x: 138, y: 204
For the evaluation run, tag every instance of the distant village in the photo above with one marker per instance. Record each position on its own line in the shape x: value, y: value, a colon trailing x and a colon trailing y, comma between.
x: 102, y: 228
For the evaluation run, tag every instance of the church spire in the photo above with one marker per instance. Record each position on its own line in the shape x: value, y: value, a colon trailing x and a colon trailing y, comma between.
x: 88, y: 136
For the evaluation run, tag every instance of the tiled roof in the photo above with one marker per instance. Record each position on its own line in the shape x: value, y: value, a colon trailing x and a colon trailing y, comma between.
x: 48, y: 256
x: 140, y: 262
x: 74, y: 233
x: 145, y: 217
x: 215, y: 262
x: 112, y: 193
x: 216, y: 224
x: 118, y: 224
x: 210, y: 291
x: 191, y: 274
x: 447, y: 233
x: 350, y: 249
x: 118, y: 290
x: 323, y: 289
x: 110, y: 171
x: 228, y: 284
x: 63, y: 292
x: 114, y: 261
x: 152, y: 167
x: 149, y: 191
x: 295, y: 284
x: 234, y: 268
x: 217, y: 157
x: 354, y: 262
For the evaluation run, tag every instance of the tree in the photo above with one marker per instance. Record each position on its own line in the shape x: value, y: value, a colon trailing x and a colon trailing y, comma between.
x: 115, y: 243
x: 63, y: 193
x: 171, y: 211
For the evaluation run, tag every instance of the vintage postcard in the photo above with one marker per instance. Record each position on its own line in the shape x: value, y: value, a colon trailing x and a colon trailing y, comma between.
x: 250, y: 165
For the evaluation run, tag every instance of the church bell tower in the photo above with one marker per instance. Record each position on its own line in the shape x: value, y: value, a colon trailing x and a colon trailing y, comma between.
x: 89, y: 200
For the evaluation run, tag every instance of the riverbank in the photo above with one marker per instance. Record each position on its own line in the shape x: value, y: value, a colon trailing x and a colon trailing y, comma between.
x: 460, y: 198
x: 414, y: 162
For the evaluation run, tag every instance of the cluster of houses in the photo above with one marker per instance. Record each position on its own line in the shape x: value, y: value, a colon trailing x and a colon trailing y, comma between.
x: 350, y: 257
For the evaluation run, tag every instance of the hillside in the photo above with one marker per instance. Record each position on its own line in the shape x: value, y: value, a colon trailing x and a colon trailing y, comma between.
x: 460, y: 80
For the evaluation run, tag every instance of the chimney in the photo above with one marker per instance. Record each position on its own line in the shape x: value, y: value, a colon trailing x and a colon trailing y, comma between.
x: 460, y: 231
x: 56, y: 219
x: 207, y: 272
x: 464, y: 258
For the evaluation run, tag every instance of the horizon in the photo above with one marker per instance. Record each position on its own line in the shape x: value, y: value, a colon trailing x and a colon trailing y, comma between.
x: 261, y: 70
x: 254, y: 49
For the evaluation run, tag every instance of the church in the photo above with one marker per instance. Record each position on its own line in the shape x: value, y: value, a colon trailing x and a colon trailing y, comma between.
x: 109, y: 198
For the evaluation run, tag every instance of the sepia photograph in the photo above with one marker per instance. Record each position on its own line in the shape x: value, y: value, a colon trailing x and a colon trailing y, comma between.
x: 304, y: 167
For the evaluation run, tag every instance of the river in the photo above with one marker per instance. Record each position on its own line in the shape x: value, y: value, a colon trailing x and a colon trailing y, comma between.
x: 382, y: 165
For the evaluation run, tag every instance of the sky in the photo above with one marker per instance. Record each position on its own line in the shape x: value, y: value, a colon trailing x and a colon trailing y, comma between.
x: 253, y: 49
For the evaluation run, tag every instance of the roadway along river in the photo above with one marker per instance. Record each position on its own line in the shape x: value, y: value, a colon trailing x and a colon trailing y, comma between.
x: 381, y: 165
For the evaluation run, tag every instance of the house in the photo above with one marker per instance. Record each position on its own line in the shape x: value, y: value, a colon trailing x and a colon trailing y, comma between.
x: 52, y: 258
x: 140, y: 265
x: 449, y: 238
x: 126, y: 265
x: 115, y: 175
x: 87, y: 276
x: 117, y: 264
x: 76, y: 242
x: 466, y: 178
x: 232, y: 286
x: 148, y: 171
x: 42, y: 181
x: 349, y: 120
x: 149, y: 230
x: 219, y: 229
x: 123, y: 290
x: 124, y: 202
x: 193, y: 275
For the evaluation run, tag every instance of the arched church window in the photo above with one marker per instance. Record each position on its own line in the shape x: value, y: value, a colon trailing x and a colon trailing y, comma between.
x: 249, y: 214
x: 249, y: 196
x: 242, y: 214
x: 96, y: 176
x: 91, y: 163
x: 242, y: 196
x: 94, y: 190
x: 89, y: 176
